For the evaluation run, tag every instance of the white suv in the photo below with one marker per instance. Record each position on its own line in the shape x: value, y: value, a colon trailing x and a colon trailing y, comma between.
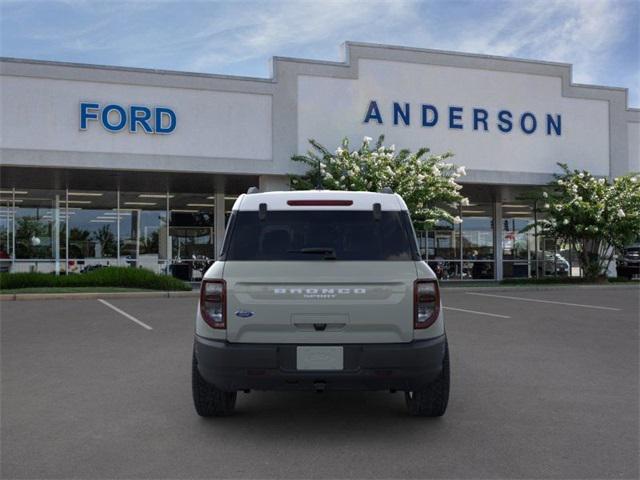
x: 320, y: 290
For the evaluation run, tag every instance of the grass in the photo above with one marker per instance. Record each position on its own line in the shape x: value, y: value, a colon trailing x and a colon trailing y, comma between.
x: 126, y: 278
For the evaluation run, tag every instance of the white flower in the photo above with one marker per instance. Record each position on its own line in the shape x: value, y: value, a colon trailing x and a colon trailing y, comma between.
x: 579, y: 198
x: 581, y: 175
x: 546, y: 205
x: 621, y: 213
x: 328, y: 175
x: 558, y: 207
x: 545, y: 195
x: 339, y: 151
x: 367, y: 139
x: 457, y: 220
x: 392, y: 148
x: 565, y: 221
x: 560, y: 182
x: 601, y: 181
x: 464, y: 202
x: 634, y: 179
x: 461, y: 170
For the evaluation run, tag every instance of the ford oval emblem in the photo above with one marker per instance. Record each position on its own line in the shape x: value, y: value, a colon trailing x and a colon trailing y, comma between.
x: 244, y: 314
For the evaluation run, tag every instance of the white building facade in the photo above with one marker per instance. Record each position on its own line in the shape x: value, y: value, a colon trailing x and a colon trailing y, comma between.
x: 119, y: 166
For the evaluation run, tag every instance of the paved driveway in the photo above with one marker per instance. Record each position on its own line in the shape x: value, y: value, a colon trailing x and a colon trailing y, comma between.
x: 545, y: 385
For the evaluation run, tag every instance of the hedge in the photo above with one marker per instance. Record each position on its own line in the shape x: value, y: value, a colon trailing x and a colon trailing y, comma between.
x: 102, y: 277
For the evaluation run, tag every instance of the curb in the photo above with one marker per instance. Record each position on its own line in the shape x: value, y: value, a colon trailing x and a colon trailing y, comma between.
x: 95, y: 295
x: 511, y: 288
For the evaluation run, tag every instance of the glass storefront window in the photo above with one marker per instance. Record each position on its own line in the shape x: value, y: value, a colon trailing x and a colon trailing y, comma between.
x: 192, y: 234
x: 92, y: 230
x: 144, y: 229
x: 518, y: 240
x: 6, y: 229
x: 39, y: 228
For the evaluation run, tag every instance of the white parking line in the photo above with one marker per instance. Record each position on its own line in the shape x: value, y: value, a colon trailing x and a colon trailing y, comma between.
x: 523, y: 299
x: 125, y: 314
x: 477, y: 313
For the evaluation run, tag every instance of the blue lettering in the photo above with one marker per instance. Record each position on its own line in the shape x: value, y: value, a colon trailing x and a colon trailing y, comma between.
x: 373, y: 112
x: 86, y: 114
x: 455, y: 113
x: 505, y: 124
x: 556, y: 125
x: 425, y: 115
x: 399, y: 112
x: 139, y: 115
x: 523, y: 123
x: 480, y: 116
x: 162, y: 112
x: 105, y: 118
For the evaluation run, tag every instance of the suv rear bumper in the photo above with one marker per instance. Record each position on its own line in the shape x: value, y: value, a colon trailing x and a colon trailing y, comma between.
x: 393, y: 366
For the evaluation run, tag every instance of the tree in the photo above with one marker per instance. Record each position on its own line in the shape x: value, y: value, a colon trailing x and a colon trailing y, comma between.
x: 107, y: 240
x: 427, y: 183
x: 595, y: 216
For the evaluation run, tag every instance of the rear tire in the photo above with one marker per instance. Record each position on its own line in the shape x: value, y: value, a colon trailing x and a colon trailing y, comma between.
x: 209, y: 400
x: 432, y: 400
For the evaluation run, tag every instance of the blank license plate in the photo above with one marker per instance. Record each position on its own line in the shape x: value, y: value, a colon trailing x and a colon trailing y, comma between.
x: 320, y: 358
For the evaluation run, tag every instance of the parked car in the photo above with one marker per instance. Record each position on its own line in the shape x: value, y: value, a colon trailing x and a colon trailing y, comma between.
x: 320, y: 290
x: 628, y: 263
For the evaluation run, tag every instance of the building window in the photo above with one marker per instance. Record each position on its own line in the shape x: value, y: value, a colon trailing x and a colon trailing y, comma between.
x: 91, y: 230
x: 518, y: 240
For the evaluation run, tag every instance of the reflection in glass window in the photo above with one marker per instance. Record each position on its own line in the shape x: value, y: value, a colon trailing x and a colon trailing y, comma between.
x: 92, y: 229
x: 477, y: 232
x: 518, y: 240
x: 143, y: 229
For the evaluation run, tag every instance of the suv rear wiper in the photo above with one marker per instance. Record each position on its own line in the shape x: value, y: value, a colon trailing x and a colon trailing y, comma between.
x: 330, y: 253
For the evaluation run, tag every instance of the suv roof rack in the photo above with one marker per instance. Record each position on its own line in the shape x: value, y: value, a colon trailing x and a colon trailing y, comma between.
x: 253, y: 190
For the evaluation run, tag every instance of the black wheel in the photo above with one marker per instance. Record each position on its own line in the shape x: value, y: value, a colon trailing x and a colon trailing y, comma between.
x: 432, y: 400
x: 209, y: 400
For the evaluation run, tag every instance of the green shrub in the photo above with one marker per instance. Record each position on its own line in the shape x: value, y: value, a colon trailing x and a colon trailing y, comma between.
x: 560, y: 281
x: 102, y: 277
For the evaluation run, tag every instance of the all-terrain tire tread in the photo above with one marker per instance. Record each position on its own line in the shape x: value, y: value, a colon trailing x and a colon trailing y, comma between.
x: 433, y: 399
x: 208, y: 400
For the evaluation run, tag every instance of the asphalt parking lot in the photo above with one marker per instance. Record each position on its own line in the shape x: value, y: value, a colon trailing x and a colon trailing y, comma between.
x: 544, y: 385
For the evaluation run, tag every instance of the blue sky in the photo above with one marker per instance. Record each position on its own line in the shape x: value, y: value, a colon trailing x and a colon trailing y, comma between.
x: 600, y: 38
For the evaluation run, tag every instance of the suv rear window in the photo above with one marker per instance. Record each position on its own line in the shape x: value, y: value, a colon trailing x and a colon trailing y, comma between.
x: 320, y: 235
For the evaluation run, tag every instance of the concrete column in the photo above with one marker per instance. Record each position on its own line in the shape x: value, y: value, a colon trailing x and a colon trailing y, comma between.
x: 219, y: 222
x: 497, y: 239
x: 56, y: 234
x: 271, y: 183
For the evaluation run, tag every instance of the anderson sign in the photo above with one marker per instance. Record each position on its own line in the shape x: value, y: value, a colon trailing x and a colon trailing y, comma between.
x: 460, y: 118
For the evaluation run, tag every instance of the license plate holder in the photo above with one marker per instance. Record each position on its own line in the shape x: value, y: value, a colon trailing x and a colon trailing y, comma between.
x: 320, y: 358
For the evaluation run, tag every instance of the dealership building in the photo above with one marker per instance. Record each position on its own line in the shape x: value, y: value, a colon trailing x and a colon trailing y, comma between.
x: 105, y: 165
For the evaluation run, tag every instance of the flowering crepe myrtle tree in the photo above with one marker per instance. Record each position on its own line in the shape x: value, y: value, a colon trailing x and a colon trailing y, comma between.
x: 595, y: 216
x: 425, y: 182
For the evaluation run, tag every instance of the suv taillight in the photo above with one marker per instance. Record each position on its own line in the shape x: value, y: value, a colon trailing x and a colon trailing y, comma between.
x: 426, y: 303
x: 213, y: 303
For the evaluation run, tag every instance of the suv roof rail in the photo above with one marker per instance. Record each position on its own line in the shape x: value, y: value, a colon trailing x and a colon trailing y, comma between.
x: 386, y: 190
x: 253, y: 190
